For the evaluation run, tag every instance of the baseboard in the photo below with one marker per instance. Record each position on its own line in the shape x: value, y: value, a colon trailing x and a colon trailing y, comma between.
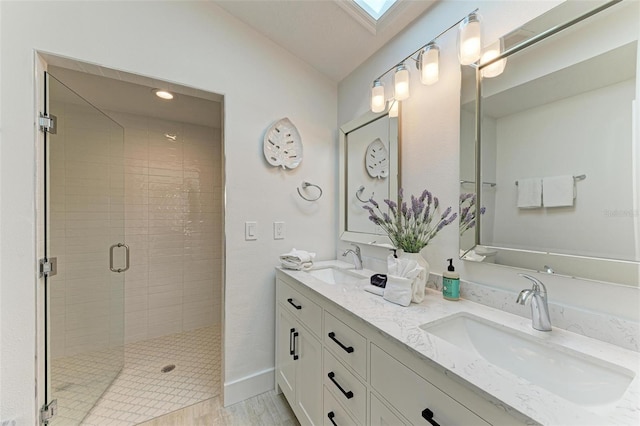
x: 249, y: 386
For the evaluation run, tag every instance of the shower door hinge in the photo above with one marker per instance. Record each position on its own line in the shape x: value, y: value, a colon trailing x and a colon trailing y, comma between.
x: 47, y: 123
x: 48, y: 267
x: 48, y: 411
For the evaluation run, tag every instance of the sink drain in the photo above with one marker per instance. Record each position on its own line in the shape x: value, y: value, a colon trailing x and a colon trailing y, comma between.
x: 168, y: 368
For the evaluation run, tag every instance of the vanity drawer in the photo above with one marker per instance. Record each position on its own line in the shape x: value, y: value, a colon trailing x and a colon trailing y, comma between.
x: 345, y: 387
x: 300, y: 306
x: 347, y: 344
x: 413, y: 396
x: 383, y: 416
x: 336, y: 412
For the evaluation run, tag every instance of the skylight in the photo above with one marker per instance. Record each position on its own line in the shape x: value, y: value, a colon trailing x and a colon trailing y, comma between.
x: 375, y: 8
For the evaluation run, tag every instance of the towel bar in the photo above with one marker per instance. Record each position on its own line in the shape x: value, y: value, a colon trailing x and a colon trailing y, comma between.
x: 575, y: 178
x: 491, y: 184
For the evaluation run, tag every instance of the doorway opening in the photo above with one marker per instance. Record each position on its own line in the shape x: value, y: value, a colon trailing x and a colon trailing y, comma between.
x: 141, y: 178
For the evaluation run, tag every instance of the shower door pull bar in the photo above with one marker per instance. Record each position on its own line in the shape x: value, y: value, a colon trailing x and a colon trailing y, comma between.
x: 126, y: 251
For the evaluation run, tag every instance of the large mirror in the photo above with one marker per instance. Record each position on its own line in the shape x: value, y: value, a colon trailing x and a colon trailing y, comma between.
x: 549, y: 147
x: 369, y: 168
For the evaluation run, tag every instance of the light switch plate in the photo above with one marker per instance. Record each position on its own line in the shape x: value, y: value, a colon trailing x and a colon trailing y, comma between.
x: 278, y: 230
x: 250, y: 231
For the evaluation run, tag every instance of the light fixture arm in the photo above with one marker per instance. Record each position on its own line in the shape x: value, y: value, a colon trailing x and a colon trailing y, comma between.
x: 411, y: 56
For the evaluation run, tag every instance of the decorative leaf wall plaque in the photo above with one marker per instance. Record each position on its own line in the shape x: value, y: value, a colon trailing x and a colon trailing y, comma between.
x: 282, y: 145
x: 377, y: 159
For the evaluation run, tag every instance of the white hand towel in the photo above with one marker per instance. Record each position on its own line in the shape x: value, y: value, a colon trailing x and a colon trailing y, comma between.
x: 398, y: 290
x: 529, y: 193
x: 558, y: 191
x: 379, y: 291
x: 409, y: 268
x: 297, y: 259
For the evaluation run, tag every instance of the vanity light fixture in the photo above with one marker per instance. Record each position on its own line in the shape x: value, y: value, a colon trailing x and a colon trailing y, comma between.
x: 429, y: 64
x: 401, y: 83
x: 378, y: 102
x: 470, y: 39
x: 494, y: 68
x: 427, y: 59
x: 163, y: 94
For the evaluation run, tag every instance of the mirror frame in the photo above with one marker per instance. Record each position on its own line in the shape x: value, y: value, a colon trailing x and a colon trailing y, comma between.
x: 394, y: 178
x: 582, y: 267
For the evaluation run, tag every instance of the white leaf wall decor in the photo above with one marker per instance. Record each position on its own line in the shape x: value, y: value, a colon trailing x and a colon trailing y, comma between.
x: 377, y: 159
x: 282, y: 145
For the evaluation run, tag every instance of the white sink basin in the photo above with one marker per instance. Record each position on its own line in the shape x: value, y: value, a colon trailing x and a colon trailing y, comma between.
x: 334, y: 275
x: 574, y: 376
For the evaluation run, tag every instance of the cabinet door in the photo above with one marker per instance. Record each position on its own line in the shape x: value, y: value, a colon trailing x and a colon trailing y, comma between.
x: 309, y: 377
x: 381, y: 415
x: 285, y: 364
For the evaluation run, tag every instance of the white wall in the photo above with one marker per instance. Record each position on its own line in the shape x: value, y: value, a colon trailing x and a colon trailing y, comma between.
x: 200, y: 46
x: 430, y: 143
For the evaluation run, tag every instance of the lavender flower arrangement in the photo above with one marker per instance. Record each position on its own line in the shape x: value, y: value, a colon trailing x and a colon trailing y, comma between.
x: 410, y: 227
x: 468, y: 211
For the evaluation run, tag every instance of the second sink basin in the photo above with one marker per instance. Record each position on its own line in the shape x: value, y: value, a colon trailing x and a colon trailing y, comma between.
x: 574, y: 376
x: 334, y: 275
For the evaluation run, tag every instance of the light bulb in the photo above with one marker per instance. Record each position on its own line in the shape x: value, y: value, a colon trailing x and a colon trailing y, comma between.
x: 429, y: 61
x: 401, y: 83
x: 496, y: 68
x: 163, y: 94
x: 470, y: 40
x: 393, y: 111
x: 378, y: 103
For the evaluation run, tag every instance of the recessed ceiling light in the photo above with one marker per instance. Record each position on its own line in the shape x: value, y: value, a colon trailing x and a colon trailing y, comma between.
x: 163, y: 94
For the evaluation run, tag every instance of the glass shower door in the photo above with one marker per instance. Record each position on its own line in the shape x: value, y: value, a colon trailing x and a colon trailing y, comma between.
x: 85, y: 231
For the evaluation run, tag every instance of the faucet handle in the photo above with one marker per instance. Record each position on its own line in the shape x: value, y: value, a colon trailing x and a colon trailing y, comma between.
x: 357, y: 248
x: 537, y: 284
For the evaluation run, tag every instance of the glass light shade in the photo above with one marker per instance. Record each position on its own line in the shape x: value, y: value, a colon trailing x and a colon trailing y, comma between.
x: 401, y: 83
x: 378, y: 103
x: 496, y: 68
x: 393, y: 111
x: 470, y: 40
x: 430, y: 64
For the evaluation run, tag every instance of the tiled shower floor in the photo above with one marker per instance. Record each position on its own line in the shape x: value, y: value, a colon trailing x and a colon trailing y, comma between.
x: 141, y: 391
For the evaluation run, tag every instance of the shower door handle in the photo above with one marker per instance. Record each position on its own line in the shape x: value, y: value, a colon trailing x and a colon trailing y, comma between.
x: 126, y: 251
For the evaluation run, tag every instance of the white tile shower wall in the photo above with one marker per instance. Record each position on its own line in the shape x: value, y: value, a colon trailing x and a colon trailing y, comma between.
x: 173, y: 224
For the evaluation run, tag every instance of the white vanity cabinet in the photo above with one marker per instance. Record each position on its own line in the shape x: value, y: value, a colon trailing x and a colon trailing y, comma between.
x: 299, y: 354
x: 355, y: 374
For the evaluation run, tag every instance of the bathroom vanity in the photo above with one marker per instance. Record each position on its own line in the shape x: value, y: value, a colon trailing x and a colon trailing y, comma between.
x: 346, y: 356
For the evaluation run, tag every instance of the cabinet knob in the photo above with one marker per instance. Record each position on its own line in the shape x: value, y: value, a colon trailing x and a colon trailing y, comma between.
x: 428, y: 416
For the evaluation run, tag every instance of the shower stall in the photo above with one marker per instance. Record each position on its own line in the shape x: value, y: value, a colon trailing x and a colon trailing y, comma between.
x: 134, y: 226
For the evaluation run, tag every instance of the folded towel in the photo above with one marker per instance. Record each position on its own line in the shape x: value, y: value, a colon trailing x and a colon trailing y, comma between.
x: 558, y: 191
x: 398, y: 290
x: 374, y: 289
x: 297, y: 259
x: 529, y: 193
x: 411, y: 269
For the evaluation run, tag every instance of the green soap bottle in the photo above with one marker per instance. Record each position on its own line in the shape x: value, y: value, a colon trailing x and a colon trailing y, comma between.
x: 451, y: 283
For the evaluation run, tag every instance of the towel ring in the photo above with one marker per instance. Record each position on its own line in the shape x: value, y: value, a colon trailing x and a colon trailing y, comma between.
x: 359, y: 193
x: 306, y: 184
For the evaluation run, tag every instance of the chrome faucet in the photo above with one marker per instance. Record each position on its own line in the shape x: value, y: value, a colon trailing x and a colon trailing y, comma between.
x: 357, y: 257
x: 539, y: 307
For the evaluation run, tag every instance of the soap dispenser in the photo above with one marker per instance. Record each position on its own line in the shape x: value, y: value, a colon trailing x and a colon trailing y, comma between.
x: 451, y: 283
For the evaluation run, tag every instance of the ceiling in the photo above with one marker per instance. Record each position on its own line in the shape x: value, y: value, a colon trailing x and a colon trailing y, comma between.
x: 327, y: 34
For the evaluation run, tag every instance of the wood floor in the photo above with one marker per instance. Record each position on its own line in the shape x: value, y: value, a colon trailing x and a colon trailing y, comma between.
x: 268, y: 409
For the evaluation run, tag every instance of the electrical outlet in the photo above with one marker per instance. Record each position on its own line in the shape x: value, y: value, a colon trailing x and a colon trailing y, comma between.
x: 278, y: 230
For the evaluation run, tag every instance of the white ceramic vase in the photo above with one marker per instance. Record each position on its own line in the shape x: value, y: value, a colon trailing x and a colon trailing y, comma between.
x: 419, y: 284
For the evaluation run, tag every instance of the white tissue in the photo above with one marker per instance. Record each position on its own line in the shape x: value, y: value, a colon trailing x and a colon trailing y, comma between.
x: 411, y: 270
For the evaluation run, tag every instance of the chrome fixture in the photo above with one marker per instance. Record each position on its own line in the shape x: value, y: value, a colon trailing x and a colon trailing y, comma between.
x: 539, y: 307
x: 427, y: 60
x: 305, y: 185
x: 548, y: 269
x: 357, y: 257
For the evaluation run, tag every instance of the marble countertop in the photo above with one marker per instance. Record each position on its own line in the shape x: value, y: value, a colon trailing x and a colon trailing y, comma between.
x: 529, y: 402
